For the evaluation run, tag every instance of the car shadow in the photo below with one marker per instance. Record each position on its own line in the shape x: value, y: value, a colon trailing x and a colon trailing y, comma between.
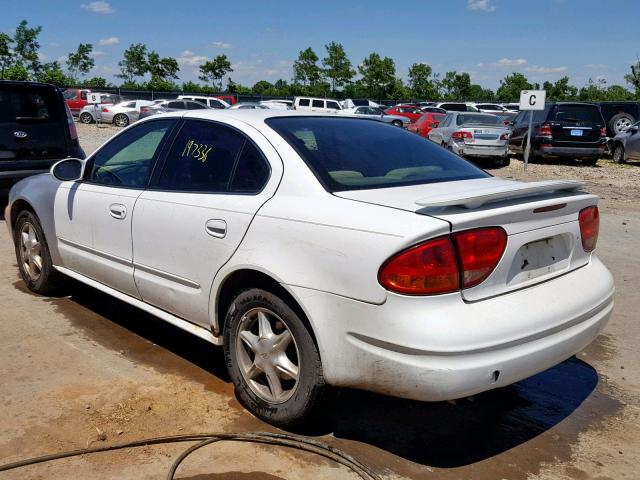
x: 441, y: 434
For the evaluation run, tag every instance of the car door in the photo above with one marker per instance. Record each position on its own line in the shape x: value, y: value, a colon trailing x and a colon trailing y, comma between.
x: 93, y: 216
x: 633, y: 142
x: 198, y: 208
x: 435, y: 135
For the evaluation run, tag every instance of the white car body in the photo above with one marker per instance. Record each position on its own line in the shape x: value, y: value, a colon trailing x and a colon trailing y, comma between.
x: 151, y: 248
x: 313, y: 104
x: 212, y: 102
x: 376, y: 113
x: 493, y: 108
x: 278, y: 104
x: 106, y: 113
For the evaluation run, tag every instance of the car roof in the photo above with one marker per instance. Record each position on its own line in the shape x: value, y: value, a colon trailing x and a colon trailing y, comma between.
x: 254, y: 117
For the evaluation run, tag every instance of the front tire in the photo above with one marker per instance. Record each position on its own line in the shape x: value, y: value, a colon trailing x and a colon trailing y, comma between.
x: 34, y: 258
x: 272, y: 359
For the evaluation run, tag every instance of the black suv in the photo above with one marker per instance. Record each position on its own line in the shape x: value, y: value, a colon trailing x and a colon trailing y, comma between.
x: 36, y: 130
x: 562, y: 129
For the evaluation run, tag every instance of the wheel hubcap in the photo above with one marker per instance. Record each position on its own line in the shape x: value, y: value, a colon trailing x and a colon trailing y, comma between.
x: 120, y: 121
x: 267, y: 355
x: 30, y: 251
x: 623, y: 124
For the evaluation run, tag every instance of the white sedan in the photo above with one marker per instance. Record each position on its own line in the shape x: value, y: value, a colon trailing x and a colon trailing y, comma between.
x: 322, y: 250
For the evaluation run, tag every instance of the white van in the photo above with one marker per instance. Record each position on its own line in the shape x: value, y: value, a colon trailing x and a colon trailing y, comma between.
x: 208, y: 101
x: 312, y: 104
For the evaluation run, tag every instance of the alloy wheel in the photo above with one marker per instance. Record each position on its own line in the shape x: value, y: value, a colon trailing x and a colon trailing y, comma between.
x: 30, y: 251
x: 267, y: 355
x: 622, y: 125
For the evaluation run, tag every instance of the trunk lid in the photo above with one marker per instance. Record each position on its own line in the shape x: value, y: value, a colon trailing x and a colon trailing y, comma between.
x: 540, y: 219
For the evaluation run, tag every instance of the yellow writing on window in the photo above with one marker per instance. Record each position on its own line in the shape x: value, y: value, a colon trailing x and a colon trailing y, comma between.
x: 197, y: 151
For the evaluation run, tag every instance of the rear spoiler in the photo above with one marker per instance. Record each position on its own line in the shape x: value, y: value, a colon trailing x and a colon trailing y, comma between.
x: 477, y: 197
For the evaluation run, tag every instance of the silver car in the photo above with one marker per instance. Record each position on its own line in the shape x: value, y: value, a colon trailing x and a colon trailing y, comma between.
x: 469, y: 134
x: 121, y: 114
x: 378, y: 114
x: 626, y: 145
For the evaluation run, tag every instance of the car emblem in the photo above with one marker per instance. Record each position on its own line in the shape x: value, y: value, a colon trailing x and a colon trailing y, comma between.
x: 20, y: 134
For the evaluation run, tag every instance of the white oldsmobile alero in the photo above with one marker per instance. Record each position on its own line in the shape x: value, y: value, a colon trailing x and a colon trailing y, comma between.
x: 322, y: 250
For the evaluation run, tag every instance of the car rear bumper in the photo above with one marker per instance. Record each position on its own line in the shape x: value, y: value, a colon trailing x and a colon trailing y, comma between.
x: 573, y: 152
x: 441, y: 348
x: 478, y: 151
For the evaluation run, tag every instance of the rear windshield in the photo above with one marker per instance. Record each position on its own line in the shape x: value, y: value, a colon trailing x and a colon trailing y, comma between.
x: 356, y: 154
x: 578, y: 113
x: 19, y: 104
x: 472, y: 119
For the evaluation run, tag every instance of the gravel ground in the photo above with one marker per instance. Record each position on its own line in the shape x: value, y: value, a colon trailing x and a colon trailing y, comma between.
x: 85, y: 369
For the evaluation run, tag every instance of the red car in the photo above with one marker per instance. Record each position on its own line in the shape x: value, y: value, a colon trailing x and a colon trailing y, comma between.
x: 412, y: 112
x: 76, y: 99
x: 425, y: 123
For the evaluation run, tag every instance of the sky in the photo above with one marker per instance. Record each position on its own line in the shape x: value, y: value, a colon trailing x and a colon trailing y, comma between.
x: 543, y: 39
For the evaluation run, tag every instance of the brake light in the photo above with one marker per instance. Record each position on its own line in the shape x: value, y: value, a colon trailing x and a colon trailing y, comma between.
x: 461, y: 135
x: 433, y: 267
x: 480, y: 251
x: 544, y: 130
x: 426, y: 269
x: 105, y: 110
x: 603, y: 132
x: 504, y: 136
x: 73, y: 131
x: 589, y: 220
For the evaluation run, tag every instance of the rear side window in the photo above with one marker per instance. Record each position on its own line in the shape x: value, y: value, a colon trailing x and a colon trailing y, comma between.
x: 251, y: 172
x: 318, y: 104
x: 83, y: 95
x: 351, y: 154
x: 179, y: 105
x: 216, y: 104
x: 201, y: 158
x: 577, y: 113
x: 29, y: 105
x: 195, y: 106
x: 303, y: 102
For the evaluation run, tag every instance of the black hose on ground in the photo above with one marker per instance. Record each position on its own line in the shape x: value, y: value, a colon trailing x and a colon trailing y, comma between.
x: 204, y: 439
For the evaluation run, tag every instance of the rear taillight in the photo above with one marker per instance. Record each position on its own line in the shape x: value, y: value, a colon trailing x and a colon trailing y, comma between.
x: 603, y: 132
x: 73, y: 132
x: 589, y: 219
x: 426, y: 269
x: 479, y: 251
x: 504, y: 136
x: 544, y: 130
x: 461, y: 135
x: 105, y: 110
x: 434, y: 267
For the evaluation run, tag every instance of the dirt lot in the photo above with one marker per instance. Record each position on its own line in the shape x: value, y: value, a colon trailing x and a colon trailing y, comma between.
x: 88, y: 370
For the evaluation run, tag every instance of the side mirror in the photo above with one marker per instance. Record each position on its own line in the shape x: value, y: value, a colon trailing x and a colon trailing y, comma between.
x: 68, y: 170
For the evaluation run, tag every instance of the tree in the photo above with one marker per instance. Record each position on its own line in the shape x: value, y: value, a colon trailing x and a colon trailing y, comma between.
x: 16, y: 72
x: 477, y: 92
x: 593, y: 91
x: 378, y: 75
x: 52, y: 73
x: 80, y: 61
x: 134, y: 63
x: 337, y: 66
x: 633, y: 78
x: 262, y: 88
x: 511, y: 86
x: 456, y: 86
x: 560, y: 90
x: 27, y: 46
x: 96, y: 82
x: 6, y: 54
x: 306, y: 69
x: 215, y: 70
x: 421, y: 82
x: 162, y: 69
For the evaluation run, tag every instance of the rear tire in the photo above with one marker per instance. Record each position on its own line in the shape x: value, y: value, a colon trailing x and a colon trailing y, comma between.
x: 34, y: 258
x: 620, y: 122
x: 121, y: 120
x: 86, y: 118
x: 272, y: 359
x: 618, y: 153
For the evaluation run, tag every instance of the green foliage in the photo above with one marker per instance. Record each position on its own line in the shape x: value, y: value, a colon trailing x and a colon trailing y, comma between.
x: 511, y: 86
x: 456, y: 86
x: 263, y: 88
x: 476, y: 92
x: 594, y: 91
x: 560, y: 90
x: 157, y: 83
x: 378, y: 76
x: 134, y: 63
x: 337, y: 66
x: 6, y: 54
x: 80, y: 61
x: 306, y: 69
x: 422, y: 82
x: 27, y: 46
x: 52, y: 73
x: 215, y: 70
x: 633, y: 78
x: 162, y: 70
x: 96, y: 82
x: 16, y: 72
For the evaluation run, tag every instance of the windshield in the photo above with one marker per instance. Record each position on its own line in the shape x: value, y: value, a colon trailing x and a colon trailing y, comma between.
x: 477, y: 120
x: 355, y: 154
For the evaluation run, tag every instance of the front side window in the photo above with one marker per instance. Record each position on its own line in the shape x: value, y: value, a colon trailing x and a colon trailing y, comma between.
x: 352, y: 154
x: 128, y: 160
x: 201, y: 158
x: 83, y: 95
x: 71, y: 95
x: 195, y: 106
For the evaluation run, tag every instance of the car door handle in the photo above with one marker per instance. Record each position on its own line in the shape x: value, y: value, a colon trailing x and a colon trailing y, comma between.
x: 216, y: 228
x: 118, y: 211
